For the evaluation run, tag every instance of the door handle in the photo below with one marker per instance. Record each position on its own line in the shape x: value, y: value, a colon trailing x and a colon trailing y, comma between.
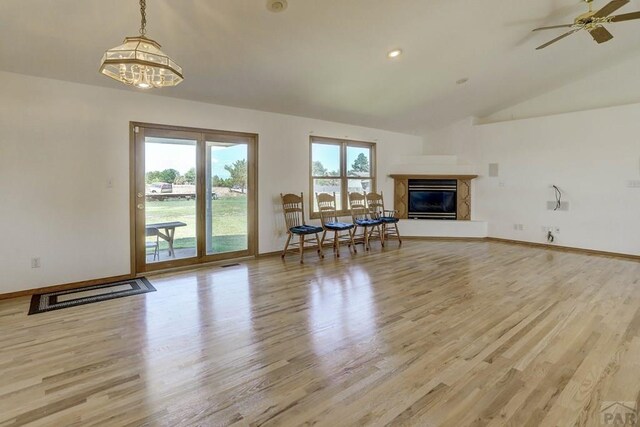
x: 140, y: 206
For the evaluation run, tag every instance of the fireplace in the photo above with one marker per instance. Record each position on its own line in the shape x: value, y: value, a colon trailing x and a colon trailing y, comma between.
x: 432, y: 198
x: 452, y: 200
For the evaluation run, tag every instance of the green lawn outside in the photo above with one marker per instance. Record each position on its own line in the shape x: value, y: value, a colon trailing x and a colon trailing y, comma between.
x: 229, y: 222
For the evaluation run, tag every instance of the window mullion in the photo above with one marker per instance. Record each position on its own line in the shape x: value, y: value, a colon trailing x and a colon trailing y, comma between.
x: 343, y: 177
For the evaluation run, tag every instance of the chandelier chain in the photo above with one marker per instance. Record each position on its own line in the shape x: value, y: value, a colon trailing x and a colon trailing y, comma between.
x: 143, y: 14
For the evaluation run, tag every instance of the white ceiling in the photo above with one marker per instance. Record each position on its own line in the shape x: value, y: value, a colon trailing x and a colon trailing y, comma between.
x: 326, y: 59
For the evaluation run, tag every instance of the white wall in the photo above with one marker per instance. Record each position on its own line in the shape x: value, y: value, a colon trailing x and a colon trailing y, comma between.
x: 590, y: 155
x: 607, y: 87
x: 60, y: 143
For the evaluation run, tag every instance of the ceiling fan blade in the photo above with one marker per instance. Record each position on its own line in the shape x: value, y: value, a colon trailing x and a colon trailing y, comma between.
x: 610, y: 8
x: 557, y: 39
x: 625, y: 17
x: 554, y: 26
x: 601, y: 34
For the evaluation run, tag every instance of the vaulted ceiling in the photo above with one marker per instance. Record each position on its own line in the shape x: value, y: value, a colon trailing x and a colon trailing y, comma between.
x: 326, y: 59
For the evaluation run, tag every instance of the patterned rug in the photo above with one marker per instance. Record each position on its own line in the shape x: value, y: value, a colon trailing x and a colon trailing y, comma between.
x: 41, y: 303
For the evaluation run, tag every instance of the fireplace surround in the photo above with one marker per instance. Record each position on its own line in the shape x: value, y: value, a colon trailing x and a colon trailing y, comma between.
x: 442, y: 197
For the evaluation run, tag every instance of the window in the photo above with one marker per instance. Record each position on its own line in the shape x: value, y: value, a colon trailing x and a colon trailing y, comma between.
x: 341, y: 166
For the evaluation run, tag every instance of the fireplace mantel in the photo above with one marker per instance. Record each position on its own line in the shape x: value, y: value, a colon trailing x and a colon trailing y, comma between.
x: 401, y: 193
x: 413, y: 176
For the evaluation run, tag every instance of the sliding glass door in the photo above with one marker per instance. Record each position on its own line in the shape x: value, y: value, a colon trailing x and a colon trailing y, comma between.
x: 195, y: 196
x: 169, y: 199
x: 227, y: 210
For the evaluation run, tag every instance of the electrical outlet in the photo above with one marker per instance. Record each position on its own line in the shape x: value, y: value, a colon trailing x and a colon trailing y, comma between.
x: 35, y: 262
x: 521, y: 227
x: 110, y: 183
x: 633, y: 183
x: 515, y: 227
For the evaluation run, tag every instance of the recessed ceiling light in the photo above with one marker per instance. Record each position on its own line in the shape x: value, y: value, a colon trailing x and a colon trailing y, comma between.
x: 276, y: 5
x: 394, y: 53
x: 462, y: 81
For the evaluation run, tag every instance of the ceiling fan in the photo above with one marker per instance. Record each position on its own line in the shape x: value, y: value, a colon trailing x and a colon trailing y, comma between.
x: 594, y: 22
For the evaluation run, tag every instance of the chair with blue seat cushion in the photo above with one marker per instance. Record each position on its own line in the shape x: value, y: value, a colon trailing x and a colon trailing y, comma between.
x: 293, y: 209
x: 375, y: 203
x: 362, y: 220
x: 342, y: 231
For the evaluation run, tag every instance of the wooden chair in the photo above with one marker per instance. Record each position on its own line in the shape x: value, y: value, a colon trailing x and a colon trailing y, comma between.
x: 330, y: 223
x: 375, y: 203
x: 293, y: 208
x: 361, y: 219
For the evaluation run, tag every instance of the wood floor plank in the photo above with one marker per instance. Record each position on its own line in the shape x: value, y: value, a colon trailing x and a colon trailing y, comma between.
x: 438, y: 333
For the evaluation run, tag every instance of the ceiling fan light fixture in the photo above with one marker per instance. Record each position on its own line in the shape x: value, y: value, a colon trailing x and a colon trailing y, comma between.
x: 140, y: 62
x: 593, y: 22
x: 394, y: 53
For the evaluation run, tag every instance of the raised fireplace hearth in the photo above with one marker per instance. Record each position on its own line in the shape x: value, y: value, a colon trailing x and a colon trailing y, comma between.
x: 442, y: 197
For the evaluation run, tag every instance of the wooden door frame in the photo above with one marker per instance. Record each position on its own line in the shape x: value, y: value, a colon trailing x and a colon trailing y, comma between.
x: 136, y: 164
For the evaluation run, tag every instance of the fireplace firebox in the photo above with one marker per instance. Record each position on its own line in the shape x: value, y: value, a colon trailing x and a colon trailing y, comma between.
x: 432, y: 198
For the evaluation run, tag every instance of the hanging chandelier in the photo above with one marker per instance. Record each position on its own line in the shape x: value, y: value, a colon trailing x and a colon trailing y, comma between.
x: 139, y: 61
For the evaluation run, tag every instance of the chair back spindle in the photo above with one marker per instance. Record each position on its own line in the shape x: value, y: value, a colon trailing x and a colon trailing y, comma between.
x: 293, y: 208
x: 375, y: 203
x: 358, y: 207
x: 327, y: 207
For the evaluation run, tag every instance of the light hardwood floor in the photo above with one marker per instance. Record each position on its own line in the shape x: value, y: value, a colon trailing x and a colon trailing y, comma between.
x: 432, y: 334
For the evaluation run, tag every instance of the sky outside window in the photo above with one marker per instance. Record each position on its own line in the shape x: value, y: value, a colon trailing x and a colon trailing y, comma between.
x: 164, y: 154
x: 329, y: 156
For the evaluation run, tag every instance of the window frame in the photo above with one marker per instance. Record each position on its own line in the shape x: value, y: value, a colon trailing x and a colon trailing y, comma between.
x: 343, y: 177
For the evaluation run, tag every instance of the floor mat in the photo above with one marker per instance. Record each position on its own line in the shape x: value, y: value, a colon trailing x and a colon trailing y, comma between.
x: 41, y: 303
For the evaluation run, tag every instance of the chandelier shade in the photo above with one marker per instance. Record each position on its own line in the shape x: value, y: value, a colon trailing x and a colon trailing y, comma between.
x: 139, y: 61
